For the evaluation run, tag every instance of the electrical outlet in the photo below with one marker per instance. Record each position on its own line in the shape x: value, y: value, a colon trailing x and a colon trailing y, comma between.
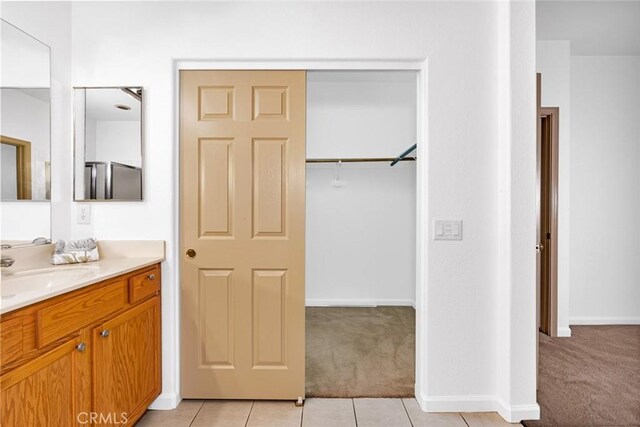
x: 83, y: 211
x: 447, y: 229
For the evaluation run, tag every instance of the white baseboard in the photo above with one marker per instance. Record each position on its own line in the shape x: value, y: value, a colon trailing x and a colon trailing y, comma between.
x: 517, y: 413
x: 512, y: 414
x: 564, y: 331
x: 358, y: 302
x: 165, y: 402
x: 458, y: 403
x: 604, y: 321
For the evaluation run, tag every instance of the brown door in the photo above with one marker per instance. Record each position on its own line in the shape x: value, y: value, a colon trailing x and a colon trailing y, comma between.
x: 242, y: 207
x: 548, y: 218
x: 126, y: 360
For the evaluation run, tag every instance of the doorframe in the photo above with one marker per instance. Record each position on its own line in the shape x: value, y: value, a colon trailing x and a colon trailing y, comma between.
x: 23, y: 165
x: 420, y: 66
x: 550, y: 245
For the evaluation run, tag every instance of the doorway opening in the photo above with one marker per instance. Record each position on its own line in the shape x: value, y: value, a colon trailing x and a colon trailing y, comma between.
x: 360, y: 234
x: 242, y: 178
x: 547, y: 246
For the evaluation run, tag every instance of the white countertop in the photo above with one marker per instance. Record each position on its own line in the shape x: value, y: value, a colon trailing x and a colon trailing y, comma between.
x: 39, y: 281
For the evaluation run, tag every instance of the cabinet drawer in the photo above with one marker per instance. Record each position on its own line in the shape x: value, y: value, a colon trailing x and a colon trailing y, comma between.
x: 10, y: 340
x: 68, y: 316
x: 144, y: 284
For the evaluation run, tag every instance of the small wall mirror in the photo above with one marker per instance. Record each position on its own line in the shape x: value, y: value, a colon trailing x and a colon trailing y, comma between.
x: 108, y: 143
x: 25, y: 136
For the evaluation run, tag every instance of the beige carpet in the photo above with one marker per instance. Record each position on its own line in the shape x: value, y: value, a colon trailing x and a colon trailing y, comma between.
x: 360, y: 352
x: 590, y: 379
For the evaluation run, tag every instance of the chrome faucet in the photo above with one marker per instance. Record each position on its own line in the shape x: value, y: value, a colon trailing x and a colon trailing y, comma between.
x: 6, y: 261
x: 36, y: 242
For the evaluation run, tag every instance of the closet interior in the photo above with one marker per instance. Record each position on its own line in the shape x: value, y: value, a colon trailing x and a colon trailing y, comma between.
x: 360, y: 233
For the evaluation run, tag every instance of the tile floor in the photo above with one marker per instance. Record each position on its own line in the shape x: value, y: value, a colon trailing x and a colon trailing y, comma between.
x: 315, y: 413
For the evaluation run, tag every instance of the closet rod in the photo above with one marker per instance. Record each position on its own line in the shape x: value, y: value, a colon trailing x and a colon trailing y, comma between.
x: 360, y: 160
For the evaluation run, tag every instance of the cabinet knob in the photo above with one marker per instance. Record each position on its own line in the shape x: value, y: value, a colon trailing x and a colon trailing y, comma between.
x: 105, y: 333
x: 191, y: 253
x: 81, y: 347
x: 151, y: 276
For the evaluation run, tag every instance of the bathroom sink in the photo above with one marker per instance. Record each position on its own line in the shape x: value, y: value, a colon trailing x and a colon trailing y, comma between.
x: 14, y: 283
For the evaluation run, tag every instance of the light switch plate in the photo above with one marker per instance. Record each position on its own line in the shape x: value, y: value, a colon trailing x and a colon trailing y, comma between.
x: 83, y: 210
x: 447, y: 229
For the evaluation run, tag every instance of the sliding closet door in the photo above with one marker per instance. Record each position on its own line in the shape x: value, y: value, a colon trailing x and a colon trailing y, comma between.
x: 242, y: 141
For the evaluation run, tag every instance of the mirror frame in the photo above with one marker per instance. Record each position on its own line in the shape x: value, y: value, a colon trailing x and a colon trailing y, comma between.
x: 142, y: 145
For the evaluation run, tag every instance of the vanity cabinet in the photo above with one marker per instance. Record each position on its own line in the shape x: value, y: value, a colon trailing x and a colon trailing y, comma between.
x: 126, y: 360
x: 88, y: 357
x: 44, y: 391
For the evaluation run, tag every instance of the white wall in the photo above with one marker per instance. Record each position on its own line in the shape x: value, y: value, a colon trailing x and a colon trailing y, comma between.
x: 458, y: 346
x: 515, y: 309
x: 90, y: 138
x: 117, y: 141
x: 605, y: 189
x: 8, y: 158
x: 594, y: 27
x: 604, y: 42
x: 476, y: 318
x: 81, y: 142
x: 360, y: 114
x: 24, y: 59
x: 553, y: 60
x: 111, y: 141
x: 361, y: 236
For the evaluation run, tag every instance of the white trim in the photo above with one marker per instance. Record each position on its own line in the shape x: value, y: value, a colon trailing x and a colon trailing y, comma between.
x: 564, y: 331
x: 517, y: 413
x: 604, y: 321
x: 459, y: 403
x: 175, y: 251
x: 407, y: 64
x: 358, y: 302
x: 165, y: 402
x: 422, y: 229
x: 308, y: 65
x: 486, y: 403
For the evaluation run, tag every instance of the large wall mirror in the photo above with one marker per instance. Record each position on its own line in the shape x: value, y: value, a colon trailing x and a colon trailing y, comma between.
x: 25, y: 136
x: 108, y: 143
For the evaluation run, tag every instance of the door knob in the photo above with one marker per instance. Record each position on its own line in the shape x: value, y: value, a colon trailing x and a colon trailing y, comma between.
x: 191, y: 253
x: 105, y: 333
x: 151, y: 276
x: 81, y: 347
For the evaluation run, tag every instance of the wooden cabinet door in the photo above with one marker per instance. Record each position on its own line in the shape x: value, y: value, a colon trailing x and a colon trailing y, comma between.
x: 46, y: 390
x: 126, y: 362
